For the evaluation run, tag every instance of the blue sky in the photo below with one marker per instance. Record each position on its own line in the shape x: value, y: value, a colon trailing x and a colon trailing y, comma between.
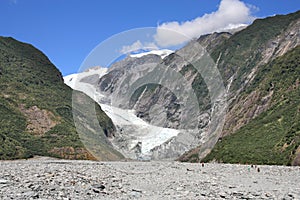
x: 67, y: 30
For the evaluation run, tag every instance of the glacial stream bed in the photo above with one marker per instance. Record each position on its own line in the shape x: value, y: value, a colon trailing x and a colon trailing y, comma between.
x: 48, y: 178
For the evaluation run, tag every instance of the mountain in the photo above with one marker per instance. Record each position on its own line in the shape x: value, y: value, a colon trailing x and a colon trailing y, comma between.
x: 37, y: 111
x: 273, y: 136
x: 247, y: 60
x: 134, y: 137
x: 255, y: 92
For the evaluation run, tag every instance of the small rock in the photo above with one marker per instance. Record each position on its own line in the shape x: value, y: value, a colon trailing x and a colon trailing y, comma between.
x: 136, y: 194
x: 179, y: 188
x: 235, y: 193
x: 99, y: 186
x: 30, y: 185
x: 136, y: 190
x: 3, y: 181
x: 290, y: 195
x: 96, y: 190
x: 104, y: 192
x: 223, y: 195
x: 268, y: 195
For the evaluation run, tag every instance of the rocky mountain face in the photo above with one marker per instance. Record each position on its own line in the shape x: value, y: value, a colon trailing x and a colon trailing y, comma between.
x: 279, y: 44
x: 160, y: 92
x: 152, y: 87
x: 271, y: 135
x: 36, y: 109
x: 253, y: 63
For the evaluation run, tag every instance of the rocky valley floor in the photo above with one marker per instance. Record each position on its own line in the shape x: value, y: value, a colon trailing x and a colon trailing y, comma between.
x: 47, y: 178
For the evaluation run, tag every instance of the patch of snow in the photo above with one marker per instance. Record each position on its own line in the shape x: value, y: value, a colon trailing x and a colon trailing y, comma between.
x: 73, y: 79
x: 162, y: 53
x: 232, y: 28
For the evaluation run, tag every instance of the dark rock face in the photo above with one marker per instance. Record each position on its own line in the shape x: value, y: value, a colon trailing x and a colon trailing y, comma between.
x: 93, y: 79
x: 108, y: 81
x: 160, y: 91
x: 156, y: 103
x: 119, y: 71
x: 159, y: 107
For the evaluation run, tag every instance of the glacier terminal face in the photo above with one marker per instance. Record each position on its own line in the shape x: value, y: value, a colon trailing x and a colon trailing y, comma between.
x: 136, y: 138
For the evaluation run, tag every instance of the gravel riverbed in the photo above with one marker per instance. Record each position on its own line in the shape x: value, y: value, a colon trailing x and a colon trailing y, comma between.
x: 47, y: 178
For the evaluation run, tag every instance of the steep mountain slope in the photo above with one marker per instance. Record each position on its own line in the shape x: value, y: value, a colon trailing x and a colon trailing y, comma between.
x: 273, y: 137
x: 243, y: 54
x: 241, y: 59
x: 36, y: 109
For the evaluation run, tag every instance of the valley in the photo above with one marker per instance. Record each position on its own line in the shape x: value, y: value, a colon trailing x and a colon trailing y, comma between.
x: 149, y: 100
x: 146, y: 97
x: 48, y: 178
x: 230, y: 97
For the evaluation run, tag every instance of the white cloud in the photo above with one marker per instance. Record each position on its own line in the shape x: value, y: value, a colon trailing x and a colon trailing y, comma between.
x: 231, y: 13
x: 138, y: 45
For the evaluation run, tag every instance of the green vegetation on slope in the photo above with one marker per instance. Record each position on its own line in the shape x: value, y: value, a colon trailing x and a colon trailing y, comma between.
x: 36, y: 108
x: 236, y: 57
x: 241, y: 52
x: 274, y: 136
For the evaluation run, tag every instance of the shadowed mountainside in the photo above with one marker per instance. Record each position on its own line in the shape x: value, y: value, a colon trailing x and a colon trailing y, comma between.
x: 36, y: 109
